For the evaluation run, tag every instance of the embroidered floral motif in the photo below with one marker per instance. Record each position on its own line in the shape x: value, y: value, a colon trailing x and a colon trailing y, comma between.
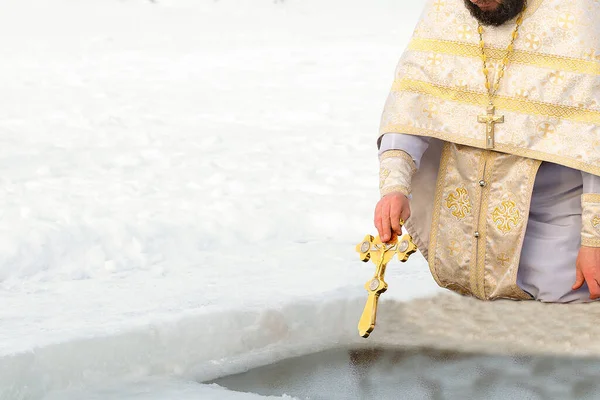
x: 596, y: 223
x: 454, y: 248
x: 465, y: 32
x: 546, y: 129
x: 533, y: 42
x: 502, y: 259
x: 435, y: 59
x: 566, y: 21
x: 590, y: 217
x: 506, y: 217
x: 458, y: 203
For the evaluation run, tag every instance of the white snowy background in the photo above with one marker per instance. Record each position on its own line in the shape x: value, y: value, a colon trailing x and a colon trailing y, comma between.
x: 182, y: 183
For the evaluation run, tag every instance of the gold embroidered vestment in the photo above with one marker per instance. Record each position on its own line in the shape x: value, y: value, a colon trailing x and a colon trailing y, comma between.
x: 470, y: 205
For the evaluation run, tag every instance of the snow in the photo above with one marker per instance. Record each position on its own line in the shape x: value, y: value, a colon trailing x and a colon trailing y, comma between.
x: 183, y: 183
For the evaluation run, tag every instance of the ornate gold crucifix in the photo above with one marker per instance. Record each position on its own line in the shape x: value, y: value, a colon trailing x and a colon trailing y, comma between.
x: 490, y: 120
x: 372, y: 249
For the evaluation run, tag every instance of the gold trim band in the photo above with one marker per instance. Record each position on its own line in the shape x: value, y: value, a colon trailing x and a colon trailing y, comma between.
x: 396, y: 169
x: 504, y: 148
x: 590, y: 220
x: 540, y: 60
x: 398, y: 153
x: 517, y: 105
x: 435, y: 220
x: 590, y: 198
x: 590, y: 242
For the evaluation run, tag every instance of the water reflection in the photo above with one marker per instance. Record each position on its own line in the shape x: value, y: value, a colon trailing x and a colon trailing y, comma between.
x: 422, y: 374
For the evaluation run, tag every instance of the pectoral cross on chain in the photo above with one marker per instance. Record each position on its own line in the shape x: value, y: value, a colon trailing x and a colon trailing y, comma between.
x: 490, y: 120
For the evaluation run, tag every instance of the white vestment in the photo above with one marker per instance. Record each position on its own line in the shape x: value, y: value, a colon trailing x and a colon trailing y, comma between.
x: 552, y: 239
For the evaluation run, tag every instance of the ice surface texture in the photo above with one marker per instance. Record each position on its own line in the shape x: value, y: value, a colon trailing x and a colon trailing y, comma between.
x: 188, y: 167
x: 183, y: 183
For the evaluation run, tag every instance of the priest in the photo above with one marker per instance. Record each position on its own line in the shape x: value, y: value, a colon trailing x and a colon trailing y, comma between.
x: 489, y: 148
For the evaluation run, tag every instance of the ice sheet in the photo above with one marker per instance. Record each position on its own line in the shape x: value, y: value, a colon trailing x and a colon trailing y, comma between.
x: 189, y: 168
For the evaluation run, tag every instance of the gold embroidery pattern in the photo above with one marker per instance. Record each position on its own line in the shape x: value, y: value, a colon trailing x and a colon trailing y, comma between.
x: 454, y: 248
x: 504, y: 148
x: 435, y: 59
x: 507, y: 216
x: 590, y: 219
x: 430, y: 110
x: 557, y: 78
x: 439, y: 5
x: 592, y: 54
x: 485, y: 265
x: 397, y: 153
x: 520, y: 105
x: 396, y: 169
x: 596, y: 223
x: 533, y: 41
x: 546, y: 129
x: 566, y: 21
x: 465, y: 32
x: 435, y: 221
x: 541, y: 60
x: 590, y: 198
x: 502, y: 259
x: 478, y: 264
x: 458, y: 203
x: 383, y: 175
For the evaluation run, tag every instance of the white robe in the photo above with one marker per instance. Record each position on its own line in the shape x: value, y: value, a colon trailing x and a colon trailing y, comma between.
x: 553, y: 236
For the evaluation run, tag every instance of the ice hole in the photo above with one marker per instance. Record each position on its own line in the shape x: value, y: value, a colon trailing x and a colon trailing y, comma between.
x: 380, y: 373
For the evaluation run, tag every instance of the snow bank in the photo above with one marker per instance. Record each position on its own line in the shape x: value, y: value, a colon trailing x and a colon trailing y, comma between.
x: 201, y: 347
x: 183, y: 184
x: 198, y: 347
x: 142, y: 137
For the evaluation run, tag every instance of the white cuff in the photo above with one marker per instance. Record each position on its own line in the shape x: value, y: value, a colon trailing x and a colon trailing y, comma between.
x: 395, y: 172
x: 590, y: 220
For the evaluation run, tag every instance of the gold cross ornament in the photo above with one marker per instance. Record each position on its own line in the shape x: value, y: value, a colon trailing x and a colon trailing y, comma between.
x: 490, y: 120
x: 373, y: 249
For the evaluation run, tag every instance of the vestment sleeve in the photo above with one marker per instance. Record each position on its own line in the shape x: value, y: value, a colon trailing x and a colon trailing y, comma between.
x: 590, y: 211
x: 399, y: 158
x: 415, y: 146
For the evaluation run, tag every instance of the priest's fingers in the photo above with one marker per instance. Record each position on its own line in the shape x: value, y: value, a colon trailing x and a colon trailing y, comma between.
x: 594, y: 287
x: 579, y: 280
x: 405, y: 211
x: 377, y: 219
x: 588, y: 266
x: 385, y: 221
x: 396, y: 214
x: 593, y: 283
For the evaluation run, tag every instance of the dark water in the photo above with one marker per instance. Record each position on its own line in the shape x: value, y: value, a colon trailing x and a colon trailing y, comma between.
x: 422, y: 374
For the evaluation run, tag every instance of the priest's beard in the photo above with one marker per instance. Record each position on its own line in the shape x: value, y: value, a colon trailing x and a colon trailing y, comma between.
x: 506, y: 11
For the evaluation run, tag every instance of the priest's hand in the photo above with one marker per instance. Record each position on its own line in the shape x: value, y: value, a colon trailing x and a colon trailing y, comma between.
x: 389, y: 211
x: 588, y: 270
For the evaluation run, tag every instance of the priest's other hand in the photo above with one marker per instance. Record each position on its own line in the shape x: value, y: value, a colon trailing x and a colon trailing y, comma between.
x: 389, y: 211
x: 588, y: 270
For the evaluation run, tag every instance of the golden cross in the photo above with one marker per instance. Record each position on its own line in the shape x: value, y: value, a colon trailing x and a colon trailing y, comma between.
x: 490, y: 120
x: 373, y: 249
x: 454, y: 248
x: 503, y: 259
